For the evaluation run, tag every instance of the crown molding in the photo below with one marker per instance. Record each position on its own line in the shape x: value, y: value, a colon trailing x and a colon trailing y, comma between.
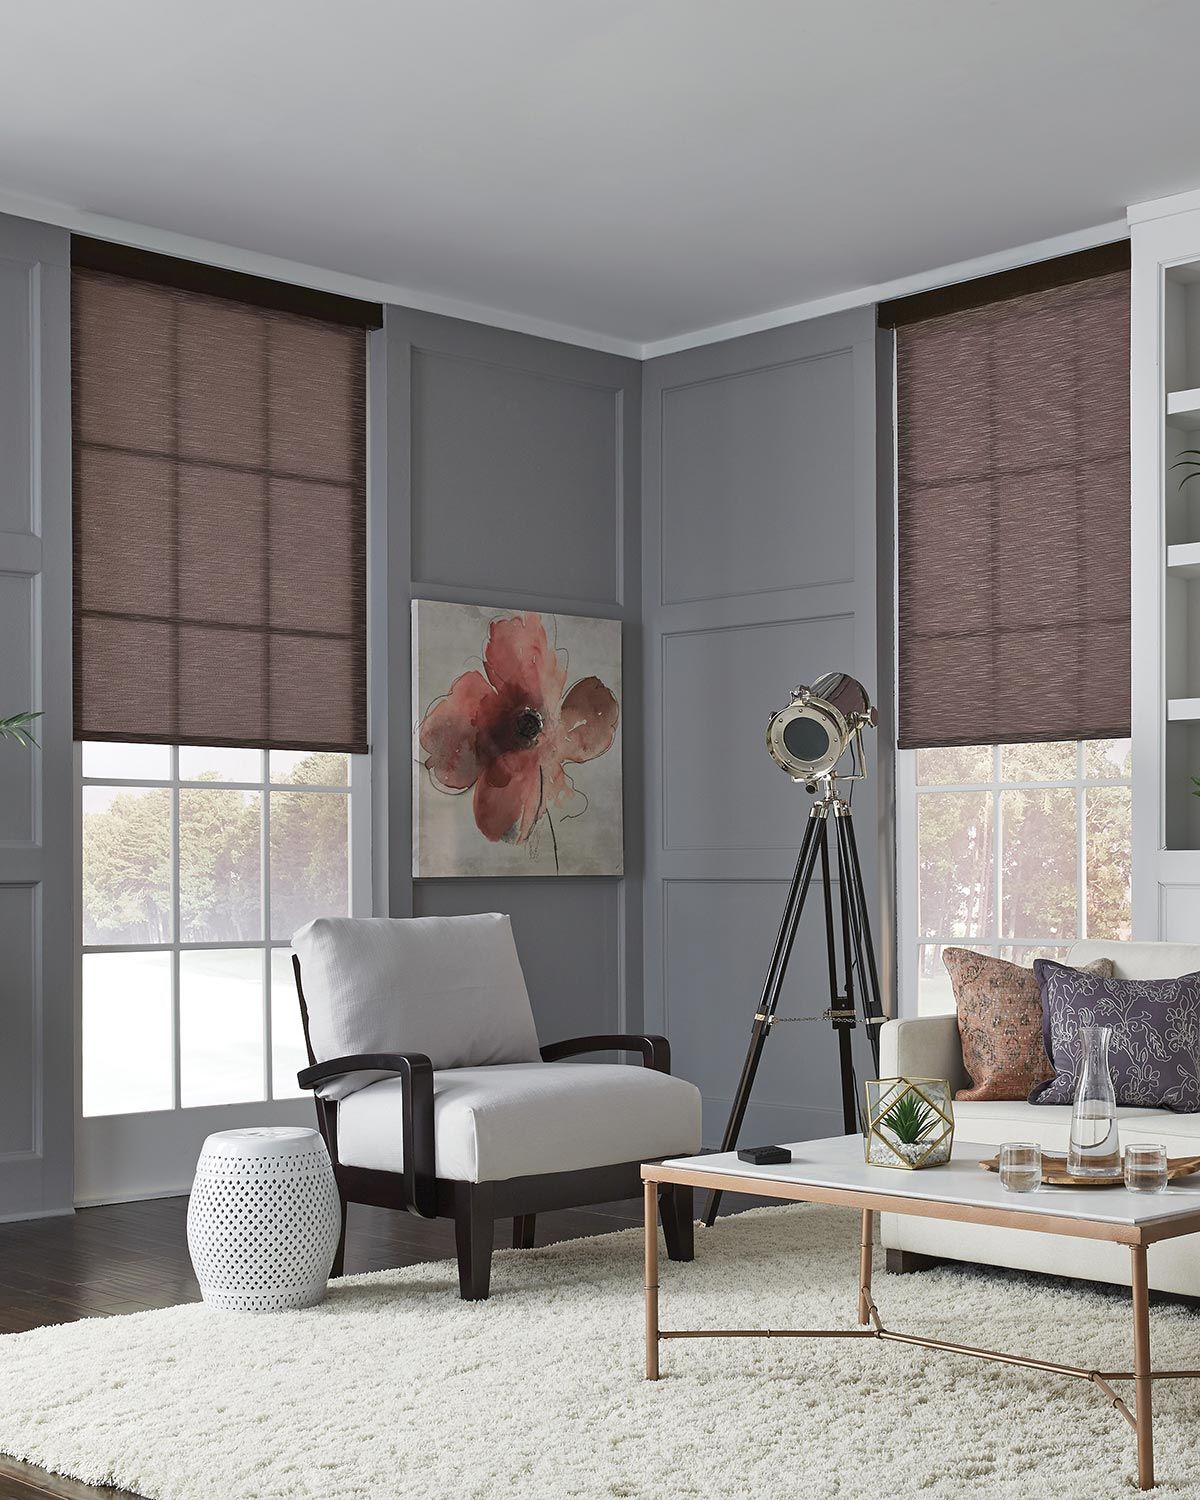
x: 963, y: 270
x: 256, y: 263
x: 1163, y: 208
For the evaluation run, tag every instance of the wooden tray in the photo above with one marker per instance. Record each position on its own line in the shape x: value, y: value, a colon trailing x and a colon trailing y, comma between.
x: 1055, y: 1174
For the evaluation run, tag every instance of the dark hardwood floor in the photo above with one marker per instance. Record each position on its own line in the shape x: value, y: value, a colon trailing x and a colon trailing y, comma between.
x: 128, y: 1257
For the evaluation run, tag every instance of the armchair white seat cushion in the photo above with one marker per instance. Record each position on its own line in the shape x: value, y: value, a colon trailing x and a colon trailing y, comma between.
x: 448, y: 987
x: 525, y: 1119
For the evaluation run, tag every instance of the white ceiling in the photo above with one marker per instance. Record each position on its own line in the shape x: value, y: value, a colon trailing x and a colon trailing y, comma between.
x: 635, y: 169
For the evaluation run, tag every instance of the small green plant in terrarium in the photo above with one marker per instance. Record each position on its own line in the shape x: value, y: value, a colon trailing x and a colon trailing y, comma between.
x: 910, y: 1120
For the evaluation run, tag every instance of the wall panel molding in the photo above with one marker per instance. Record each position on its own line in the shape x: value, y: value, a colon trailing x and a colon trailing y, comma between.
x: 546, y: 464
x: 38, y: 918
x: 759, y: 561
x: 553, y: 434
x: 706, y: 428
x: 726, y: 731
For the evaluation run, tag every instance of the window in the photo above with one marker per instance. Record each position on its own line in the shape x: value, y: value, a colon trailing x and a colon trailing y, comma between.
x: 219, y: 492
x: 1015, y: 850
x: 1012, y: 615
x: 198, y: 865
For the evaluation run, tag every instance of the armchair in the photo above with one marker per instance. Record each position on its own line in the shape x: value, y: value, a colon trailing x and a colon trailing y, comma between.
x: 433, y: 1094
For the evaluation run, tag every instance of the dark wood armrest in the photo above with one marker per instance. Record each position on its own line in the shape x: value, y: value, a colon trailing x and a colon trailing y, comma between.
x: 655, y: 1050
x: 416, y: 1113
x: 403, y: 1063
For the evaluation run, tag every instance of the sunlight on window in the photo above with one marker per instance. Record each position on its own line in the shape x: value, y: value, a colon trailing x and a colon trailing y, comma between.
x: 151, y: 852
x: 126, y: 864
x: 310, y: 839
x: 288, y: 1054
x: 128, y: 1067
x: 998, y: 853
x: 220, y: 866
x: 220, y: 1027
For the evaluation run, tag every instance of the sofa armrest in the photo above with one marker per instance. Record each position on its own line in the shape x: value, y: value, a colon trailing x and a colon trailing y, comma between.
x: 416, y: 1115
x: 923, y: 1047
x: 655, y: 1050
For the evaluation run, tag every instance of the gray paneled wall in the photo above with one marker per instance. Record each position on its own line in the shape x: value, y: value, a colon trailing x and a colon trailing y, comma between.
x: 760, y: 567
x: 37, y: 906
x: 509, y: 471
x: 513, y: 480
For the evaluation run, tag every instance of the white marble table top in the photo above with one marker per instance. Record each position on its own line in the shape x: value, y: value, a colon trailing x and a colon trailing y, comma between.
x: 837, y: 1162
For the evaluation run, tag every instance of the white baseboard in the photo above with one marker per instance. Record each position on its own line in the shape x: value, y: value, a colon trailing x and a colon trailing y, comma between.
x: 42, y: 1213
x: 135, y: 1197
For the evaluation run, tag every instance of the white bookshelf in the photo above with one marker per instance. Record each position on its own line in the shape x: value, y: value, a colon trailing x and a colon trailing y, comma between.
x: 1183, y: 408
x: 1183, y: 559
x: 1165, y: 421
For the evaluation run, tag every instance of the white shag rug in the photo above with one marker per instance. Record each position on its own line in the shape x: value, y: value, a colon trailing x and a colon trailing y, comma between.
x: 393, y: 1387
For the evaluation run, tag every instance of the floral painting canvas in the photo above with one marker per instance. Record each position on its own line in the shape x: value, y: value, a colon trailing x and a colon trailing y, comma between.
x: 517, y: 738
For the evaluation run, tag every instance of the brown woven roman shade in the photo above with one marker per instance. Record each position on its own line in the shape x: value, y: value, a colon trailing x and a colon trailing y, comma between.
x: 1013, y: 525
x: 219, y: 492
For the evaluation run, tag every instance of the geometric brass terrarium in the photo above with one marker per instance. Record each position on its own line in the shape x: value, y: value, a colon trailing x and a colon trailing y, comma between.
x: 910, y: 1122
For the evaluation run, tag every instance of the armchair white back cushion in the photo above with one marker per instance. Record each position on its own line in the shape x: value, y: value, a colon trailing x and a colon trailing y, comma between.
x: 450, y: 987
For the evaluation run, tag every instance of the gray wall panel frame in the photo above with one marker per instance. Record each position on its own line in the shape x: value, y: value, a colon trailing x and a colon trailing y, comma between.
x: 675, y: 996
x: 37, y: 879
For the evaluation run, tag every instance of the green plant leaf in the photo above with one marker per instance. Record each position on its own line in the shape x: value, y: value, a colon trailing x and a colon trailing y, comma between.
x: 910, y: 1119
x: 17, y: 727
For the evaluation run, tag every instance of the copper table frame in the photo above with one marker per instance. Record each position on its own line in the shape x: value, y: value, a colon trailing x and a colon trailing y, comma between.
x: 1138, y: 1237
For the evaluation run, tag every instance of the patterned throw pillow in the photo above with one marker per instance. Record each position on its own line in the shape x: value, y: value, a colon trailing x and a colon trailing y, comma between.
x: 1000, y: 1023
x: 1154, y: 1050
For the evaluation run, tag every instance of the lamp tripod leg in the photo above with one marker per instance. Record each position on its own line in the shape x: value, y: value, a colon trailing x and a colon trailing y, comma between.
x: 872, y: 1004
x: 814, y: 832
x: 859, y: 960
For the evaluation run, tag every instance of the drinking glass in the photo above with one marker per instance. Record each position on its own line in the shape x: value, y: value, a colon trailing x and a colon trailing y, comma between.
x: 1021, y: 1166
x: 1145, y: 1169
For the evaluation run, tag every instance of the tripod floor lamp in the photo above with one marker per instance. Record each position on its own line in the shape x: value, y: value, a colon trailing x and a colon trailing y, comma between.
x: 808, y: 739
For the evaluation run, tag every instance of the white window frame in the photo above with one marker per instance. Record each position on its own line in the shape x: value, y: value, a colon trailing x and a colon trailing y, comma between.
x: 357, y: 792
x: 908, y: 794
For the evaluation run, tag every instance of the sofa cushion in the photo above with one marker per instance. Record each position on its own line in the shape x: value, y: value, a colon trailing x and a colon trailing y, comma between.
x: 992, y: 1122
x: 999, y: 1008
x: 1180, y: 1134
x: 523, y: 1119
x: 1154, y: 1051
x: 450, y: 987
x: 1138, y: 960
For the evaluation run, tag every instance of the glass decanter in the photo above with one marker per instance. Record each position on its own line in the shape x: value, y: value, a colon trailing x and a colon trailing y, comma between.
x: 1094, y: 1150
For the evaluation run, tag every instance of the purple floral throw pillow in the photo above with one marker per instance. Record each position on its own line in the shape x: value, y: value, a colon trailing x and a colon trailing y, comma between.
x: 1154, y: 1049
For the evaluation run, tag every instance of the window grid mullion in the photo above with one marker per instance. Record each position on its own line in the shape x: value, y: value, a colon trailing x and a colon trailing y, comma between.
x: 997, y: 867
x: 265, y: 907
x: 1081, y: 915
x: 176, y: 940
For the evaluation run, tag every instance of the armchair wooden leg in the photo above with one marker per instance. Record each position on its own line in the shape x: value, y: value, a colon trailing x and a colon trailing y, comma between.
x: 339, y: 1255
x: 523, y: 1230
x: 473, y: 1230
x: 675, y: 1207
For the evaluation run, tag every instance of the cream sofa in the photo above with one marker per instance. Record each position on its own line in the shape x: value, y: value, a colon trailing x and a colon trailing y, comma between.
x: 928, y: 1047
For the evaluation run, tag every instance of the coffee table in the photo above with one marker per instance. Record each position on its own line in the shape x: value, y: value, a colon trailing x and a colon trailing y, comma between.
x: 833, y: 1171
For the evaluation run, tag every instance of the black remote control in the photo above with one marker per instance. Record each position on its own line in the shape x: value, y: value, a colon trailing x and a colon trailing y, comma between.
x: 765, y: 1156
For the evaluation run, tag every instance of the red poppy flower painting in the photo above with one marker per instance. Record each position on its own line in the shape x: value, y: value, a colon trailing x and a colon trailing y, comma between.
x: 509, y: 709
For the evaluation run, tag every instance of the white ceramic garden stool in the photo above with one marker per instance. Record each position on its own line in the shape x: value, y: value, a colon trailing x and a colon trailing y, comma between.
x: 263, y: 1219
